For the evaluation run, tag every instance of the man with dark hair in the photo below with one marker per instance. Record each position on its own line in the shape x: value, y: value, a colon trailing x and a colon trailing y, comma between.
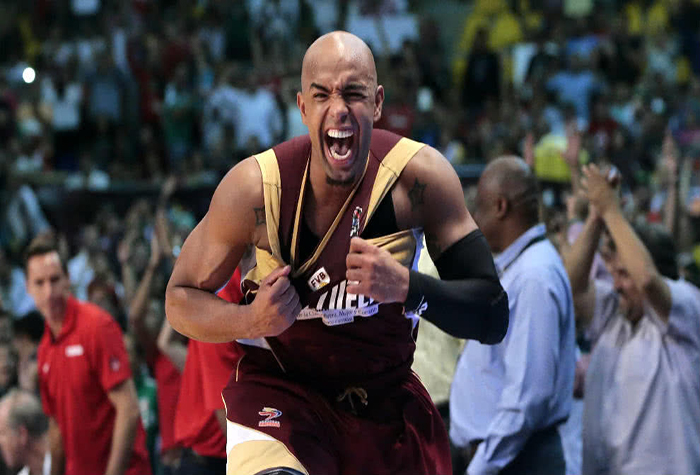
x: 84, y: 377
x: 508, y: 400
x: 642, y: 403
x: 23, y: 433
x: 26, y: 336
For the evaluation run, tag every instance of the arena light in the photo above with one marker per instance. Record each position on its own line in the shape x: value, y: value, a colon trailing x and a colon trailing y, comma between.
x: 28, y: 75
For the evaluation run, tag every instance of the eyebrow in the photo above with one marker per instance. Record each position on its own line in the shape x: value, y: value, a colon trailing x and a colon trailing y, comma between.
x: 353, y: 86
x: 318, y: 86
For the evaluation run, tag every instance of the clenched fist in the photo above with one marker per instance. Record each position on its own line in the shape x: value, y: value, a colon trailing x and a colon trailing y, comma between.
x: 276, y: 305
x: 372, y: 271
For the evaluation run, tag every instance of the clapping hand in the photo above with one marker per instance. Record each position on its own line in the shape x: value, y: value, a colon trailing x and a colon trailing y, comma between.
x: 600, y: 188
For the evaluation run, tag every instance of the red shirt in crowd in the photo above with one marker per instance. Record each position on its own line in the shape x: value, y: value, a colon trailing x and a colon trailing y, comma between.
x: 168, y: 380
x: 77, y: 369
x: 207, y: 370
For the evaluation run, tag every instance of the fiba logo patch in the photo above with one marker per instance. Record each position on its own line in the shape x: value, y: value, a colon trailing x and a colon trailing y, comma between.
x: 270, y: 414
x: 319, y: 280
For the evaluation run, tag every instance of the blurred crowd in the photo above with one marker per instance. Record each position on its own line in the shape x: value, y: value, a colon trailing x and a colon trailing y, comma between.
x: 167, y: 95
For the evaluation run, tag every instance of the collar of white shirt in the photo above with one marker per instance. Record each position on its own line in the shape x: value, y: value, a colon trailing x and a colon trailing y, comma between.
x: 506, y: 258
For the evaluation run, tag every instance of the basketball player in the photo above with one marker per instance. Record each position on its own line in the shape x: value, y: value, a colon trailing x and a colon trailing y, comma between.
x: 335, y: 220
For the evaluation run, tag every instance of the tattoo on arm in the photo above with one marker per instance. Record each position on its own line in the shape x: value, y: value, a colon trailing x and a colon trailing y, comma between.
x: 415, y: 194
x: 259, y: 216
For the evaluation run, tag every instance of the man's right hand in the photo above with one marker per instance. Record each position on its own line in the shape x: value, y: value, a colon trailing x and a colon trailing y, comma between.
x: 276, y: 304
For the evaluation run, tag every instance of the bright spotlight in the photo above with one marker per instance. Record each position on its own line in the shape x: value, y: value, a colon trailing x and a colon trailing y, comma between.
x: 28, y: 75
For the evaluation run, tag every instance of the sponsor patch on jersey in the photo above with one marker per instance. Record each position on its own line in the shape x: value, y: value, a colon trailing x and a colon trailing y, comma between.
x: 270, y: 414
x: 319, y: 280
x: 74, y: 350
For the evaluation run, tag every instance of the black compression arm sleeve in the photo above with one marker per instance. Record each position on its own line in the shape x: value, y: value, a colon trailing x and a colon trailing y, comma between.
x: 469, y: 301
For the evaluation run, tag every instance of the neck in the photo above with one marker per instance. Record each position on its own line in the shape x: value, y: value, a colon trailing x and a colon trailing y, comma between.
x: 35, y: 456
x: 55, y: 322
x: 511, y: 232
x: 325, y: 192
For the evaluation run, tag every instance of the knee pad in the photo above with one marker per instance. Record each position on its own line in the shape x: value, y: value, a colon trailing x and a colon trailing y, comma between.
x: 280, y: 471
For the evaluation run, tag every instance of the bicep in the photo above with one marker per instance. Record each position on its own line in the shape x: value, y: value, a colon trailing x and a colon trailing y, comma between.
x: 435, y: 200
x: 214, y: 248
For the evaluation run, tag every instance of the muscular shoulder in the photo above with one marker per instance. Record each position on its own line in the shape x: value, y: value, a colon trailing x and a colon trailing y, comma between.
x: 92, y: 318
x: 427, y: 178
x: 238, y: 200
x: 429, y: 195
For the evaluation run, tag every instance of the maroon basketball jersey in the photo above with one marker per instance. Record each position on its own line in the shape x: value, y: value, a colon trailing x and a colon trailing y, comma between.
x: 339, y: 338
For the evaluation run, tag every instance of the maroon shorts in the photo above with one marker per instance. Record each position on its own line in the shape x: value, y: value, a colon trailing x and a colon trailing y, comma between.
x: 274, y: 421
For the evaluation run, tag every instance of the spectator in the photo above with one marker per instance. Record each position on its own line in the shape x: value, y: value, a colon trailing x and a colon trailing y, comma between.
x: 178, y: 118
x: 482, y: 79
x: 200, y: 420
x: 642, y: 402
x: 141, y: 310
x: 26, y: 335
x: 83, y: 348
x: 13, y: 289
x: 23, y: 434
x: 508, y: 401
x: 8, y: 365
x: 576, y: 85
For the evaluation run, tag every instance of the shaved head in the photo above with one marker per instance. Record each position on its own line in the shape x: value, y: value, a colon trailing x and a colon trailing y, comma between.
x: 336, y: 47
x: 511, y: 177
x: 507, y: 195
x: 340, y: 101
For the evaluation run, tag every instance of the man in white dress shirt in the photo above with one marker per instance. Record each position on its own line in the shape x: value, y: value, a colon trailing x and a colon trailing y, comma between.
x: 642, y: 397
x: 23, y: 433
x: 508, y: 400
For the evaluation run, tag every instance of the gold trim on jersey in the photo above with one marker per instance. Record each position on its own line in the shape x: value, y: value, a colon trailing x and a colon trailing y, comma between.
x: 401, y: 245
x: 297, y: 271
x: 389, y: 170
x: 272, y: 192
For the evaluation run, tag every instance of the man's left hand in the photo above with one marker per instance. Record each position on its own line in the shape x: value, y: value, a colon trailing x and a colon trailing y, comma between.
x: 372, y: 272
x: 601, y: 193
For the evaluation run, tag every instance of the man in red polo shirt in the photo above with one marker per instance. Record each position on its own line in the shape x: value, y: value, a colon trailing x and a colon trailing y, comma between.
x: 84, y: 378
x: 200, y: 421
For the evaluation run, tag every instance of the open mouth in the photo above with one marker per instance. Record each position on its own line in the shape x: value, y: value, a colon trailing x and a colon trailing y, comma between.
x: 339, y: 144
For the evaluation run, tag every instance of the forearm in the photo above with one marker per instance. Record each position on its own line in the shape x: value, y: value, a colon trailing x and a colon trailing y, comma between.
x: 139, y: 308
x: 579, y: 259
x: 163, y: 230
x: 475, y: 309
x: 174, y: 350
x: 469, y: 301
x: 129, y: 281
x: 221, y: 419
x: 203, y: 316
x: 123, y: 436
x: 504, y: 440
x: 630, y: 249
x: 56, y: 449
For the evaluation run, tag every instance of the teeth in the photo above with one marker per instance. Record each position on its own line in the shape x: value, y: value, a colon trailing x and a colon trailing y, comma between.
x: 339, y: 134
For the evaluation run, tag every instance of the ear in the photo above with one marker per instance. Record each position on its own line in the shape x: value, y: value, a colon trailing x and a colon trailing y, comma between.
x: 378, y: 103
x: 302, y: 107
x: 502, y: 207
